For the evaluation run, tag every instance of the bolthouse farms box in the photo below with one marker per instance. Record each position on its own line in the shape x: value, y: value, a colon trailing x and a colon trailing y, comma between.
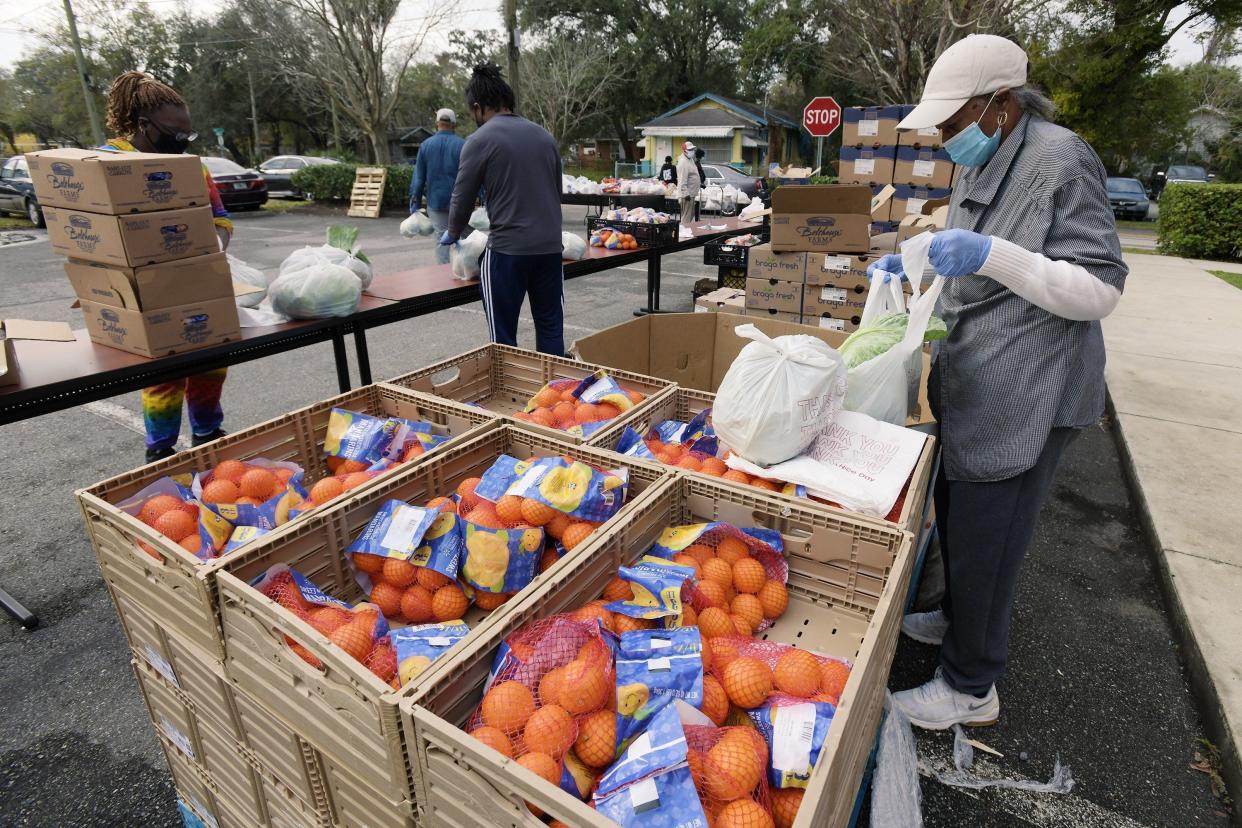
x: 132, y: 240
x: 821, y: 219
x: 115, y: 183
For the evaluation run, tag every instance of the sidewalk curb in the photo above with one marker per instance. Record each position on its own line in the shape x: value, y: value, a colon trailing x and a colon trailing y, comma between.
x: 1202, y: 684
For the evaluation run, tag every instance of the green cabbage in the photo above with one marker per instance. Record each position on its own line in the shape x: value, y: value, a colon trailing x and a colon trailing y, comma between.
x: 869, y: 342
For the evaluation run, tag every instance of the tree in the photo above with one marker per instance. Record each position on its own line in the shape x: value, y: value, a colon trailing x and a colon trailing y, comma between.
x: 8, y: 113
x: 564, y: 80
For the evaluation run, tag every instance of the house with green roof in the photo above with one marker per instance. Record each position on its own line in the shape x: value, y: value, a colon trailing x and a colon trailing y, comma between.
x: 728, y: 130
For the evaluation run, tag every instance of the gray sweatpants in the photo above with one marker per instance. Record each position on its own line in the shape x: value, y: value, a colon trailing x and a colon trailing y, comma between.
x: 439, y: 220
x: 984, y: 530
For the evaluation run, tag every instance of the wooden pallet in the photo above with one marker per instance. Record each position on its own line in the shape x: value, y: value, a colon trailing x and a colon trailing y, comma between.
x: 368, y: 195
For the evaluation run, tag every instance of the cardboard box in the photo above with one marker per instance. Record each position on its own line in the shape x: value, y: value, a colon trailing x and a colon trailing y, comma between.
x: 134, y: 240
x: 13, y: 330
x: 163, y: 331
x: 925, y: 137
x: 910, y: 201
x: 764, y: 263
x: 821, y: 218
x: 870, y: 126
x: 883, y: 243
x: 164, y: 285
x: 930, y: 220
x: 774, y: 315
x: 868, y: 165
x: 836, y: 268
x: 923, y: 167
x: 725, y: 299
x: 774, y: 295
x: 879, y: 228
x: 838, y: 320
x: 115, y: 183
x: 882, y: 202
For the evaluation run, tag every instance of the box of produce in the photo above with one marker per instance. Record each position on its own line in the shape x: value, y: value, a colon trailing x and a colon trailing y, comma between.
x: 644, y: 226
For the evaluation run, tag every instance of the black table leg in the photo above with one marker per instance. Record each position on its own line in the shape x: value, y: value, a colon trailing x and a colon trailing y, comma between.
x: 14, y: 608
x: 342, y: 360
x: 653, y: 285
x: 364, y: 358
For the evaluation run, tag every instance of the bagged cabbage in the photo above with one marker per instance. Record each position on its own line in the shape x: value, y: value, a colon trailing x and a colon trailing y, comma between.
x: 465, y: 255
x: 250, y: 276
x: 316, y: 291
x: 417, y: 225
x: 573, y: 247
x: 341, y: 249
x: 479, y: 220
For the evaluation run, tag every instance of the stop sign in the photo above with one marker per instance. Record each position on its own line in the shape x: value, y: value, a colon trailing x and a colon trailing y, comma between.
x: 822, y: 116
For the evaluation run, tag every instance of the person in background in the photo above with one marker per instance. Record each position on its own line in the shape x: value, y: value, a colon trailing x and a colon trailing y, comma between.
x: 668, y: 173
x: 1032, y: 263
x: 435, y: 170
x: 518, y: 164
x: 690, y: 181
x: 146, y: 115
x: 699, y: 155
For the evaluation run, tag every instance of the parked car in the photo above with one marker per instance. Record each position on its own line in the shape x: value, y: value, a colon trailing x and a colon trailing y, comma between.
x: 723, y: 175
x: 1128, y: 198
x: 278, y: 172
x: 240, y: 188
x: 17, y: 191
x: 1181, y: 174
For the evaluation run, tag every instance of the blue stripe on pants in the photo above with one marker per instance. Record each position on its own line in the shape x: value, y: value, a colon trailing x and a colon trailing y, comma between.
x: 507, y: 280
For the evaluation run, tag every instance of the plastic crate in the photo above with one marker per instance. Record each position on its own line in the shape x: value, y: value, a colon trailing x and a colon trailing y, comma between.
x: 178, y: 590
x: 502, y: 379
x: 647, y: 235
x: 732, y: 255
x: 345, y: 712
x: 462, y: 783
x: 731, y: 277
x: 281, y: 754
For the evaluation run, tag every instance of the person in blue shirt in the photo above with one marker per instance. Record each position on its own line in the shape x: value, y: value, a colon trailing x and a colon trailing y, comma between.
x: 434, y: 174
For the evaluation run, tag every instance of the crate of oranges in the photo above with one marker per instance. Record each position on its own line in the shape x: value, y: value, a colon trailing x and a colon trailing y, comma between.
x: 719, y: 624
x: 554, y: 396
x: 327, y: 626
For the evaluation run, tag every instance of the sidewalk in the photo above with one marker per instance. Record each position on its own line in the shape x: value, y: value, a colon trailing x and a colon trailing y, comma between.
x: 1175, y: 385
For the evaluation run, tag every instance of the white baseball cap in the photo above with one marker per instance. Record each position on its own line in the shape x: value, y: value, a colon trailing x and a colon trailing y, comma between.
x: 975, y: 65
x: 446, y: 115
x: 686, y: 147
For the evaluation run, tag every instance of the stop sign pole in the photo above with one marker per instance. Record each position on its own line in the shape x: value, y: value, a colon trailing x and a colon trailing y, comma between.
x: 820, y: 118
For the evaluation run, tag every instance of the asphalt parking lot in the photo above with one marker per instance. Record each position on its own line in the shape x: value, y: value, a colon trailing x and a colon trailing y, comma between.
x: 1095, y: 678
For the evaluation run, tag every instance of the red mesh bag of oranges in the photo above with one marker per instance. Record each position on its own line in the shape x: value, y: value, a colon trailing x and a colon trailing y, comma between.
x: 257, y: 492
x: 360, y: 631
x: 728, y: 765
x: 580, y: 407
x: 549, y: 703
x: 752, y: 670
x: 170, y: 509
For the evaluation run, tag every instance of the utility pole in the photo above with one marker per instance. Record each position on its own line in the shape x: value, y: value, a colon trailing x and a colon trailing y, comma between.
x: 254, y: 118
x: 91, y: 113
x: 336, y: 128
x: 511, y: 25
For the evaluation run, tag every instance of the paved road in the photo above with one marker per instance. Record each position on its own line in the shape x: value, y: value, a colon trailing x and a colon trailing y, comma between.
x: 76, y: 749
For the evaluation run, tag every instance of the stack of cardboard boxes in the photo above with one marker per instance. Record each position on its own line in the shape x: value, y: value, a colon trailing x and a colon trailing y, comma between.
x: 143, y: 255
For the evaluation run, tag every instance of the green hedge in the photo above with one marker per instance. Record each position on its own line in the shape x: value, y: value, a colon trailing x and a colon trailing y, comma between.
x: 1201, y: 221
x: 334, y: 182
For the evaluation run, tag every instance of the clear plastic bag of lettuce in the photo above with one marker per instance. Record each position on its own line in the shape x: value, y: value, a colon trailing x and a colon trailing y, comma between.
x: 341, y: 249
x: 871, y: 340
x: 318, y: 291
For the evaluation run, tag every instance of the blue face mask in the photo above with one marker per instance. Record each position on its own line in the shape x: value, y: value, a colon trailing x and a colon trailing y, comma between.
x: 970, y: 147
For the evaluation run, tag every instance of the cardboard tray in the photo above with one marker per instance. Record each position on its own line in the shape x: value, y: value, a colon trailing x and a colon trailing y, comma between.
x: 344, y: 711
x: 460, y: 782
x: 178, y: 590
x: 501, y: 380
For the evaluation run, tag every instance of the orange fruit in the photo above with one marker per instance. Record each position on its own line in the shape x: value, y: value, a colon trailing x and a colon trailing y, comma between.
x: 624, y: 623
x: 305, y: 654
x: 485, y: 515
x: 547, y: 396
x: 724, y: 651
x: 833, y: 675
x: 387, y: 597
x: 715, y: 701
x: 748, y: 681
x: 490, y: 600
x: 465, y: 491
x: 585, y: 686
x: 221, y: 491
x: 191, y: 543
x: 249, y: 501
x: 370, y: 564
x: 536, y: 513
x: 548, y: 559
x: 714, y: 466
x: 592, y: 612
x: 733, y: 766
x: 748, y: 575
x: 766, y: 485
x: 596, y: 744
x: 495, y: 739
x: 176, y: 525
x: 442, y: 503
x: 748, y: 607
x: 743, y: 813
x: 431, y: 580
x: 357, y: 479
x: 732, y: 549
x: 568, y: 396
x: 701, y: 552
x: 718, y: 571
x: 618, y: 589
x: 785, y: 804
x: 550, y: 685
x: 736, y: 476
x: 775, y: 599
x: 713, y: 593
x: 328, y: 619
x: 666, y: 458
x: 564, y: 412
x: 542, y: 765
x: 507, y: 706
x: 351, y: 467
x: 635, y: 396
x: 575, y: 534
x: 326, y: 489
x: 714, y: 622
x: 258, y: 483
x: 797, y: 673
x: 333, y: 464
x: 550, y: 730
x: 354, y: 637
x: 230, y: 470
x: 399, y: 573
x: 558, y: 524
x: 412, y: 452
x: 449, y: 603
x: 544, y: 417
x: 689, y: 618
x: 383, y: 661
x: 741, y: 625
x: 586, y: 413
x: 682, y: 559
x: 416, y: 605
x: 509, y: 509
x: 156, y: 506
x: 690, y: 463
x: 606, y: 411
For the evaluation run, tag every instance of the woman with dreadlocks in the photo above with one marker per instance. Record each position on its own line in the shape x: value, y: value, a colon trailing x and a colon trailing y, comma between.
x: 149, y: 116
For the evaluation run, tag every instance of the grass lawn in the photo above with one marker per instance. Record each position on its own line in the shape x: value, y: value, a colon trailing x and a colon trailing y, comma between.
x: 1137, y: 225
x: 1142, y: 250
x: 279, y: 205
x: 1234, y: 279
x: 14, y: 223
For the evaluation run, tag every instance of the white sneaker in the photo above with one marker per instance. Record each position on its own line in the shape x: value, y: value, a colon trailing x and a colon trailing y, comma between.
x: 926, y: 627
x: 937, y: 706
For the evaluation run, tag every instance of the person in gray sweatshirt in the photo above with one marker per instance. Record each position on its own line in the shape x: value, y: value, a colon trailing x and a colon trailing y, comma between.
x: 518, y: 165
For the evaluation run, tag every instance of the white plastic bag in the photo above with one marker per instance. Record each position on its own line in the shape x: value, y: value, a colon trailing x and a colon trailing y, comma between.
x: 886, y: 386
x: 327, y: 254
x: 318, y: 291
x: 858, y: 461
x: 479, y: 220
x: 417, y: 225
x: 778, y: 395
x: 573, y: 247
x: 251, y: 277
x: 465, y: 255
x: 259, y: 317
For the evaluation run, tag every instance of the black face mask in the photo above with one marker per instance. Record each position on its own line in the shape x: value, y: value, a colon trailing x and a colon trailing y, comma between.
x: 169, y: 143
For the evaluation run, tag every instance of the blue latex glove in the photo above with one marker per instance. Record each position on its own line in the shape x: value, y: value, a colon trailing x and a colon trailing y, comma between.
x: 891, y: 265
x: 448, y: 238
x: 959, y: 252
